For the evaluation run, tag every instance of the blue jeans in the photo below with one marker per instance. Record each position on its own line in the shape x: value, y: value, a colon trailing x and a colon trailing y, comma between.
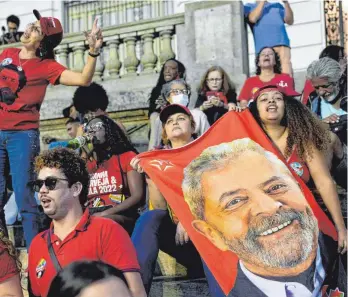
x: 155, y: 231
x: 21, y: 148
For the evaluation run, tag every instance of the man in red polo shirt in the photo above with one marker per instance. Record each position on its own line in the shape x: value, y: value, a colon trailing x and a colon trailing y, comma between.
x: 74, y: 235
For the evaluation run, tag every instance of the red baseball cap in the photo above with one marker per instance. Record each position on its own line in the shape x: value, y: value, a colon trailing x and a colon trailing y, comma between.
x: 51, y: 27
x: 285, y: 91
x: 173, y: 109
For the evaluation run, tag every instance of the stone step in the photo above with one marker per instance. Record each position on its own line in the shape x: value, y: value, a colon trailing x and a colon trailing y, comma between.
x: 179, y: 287
x: 16, y: 235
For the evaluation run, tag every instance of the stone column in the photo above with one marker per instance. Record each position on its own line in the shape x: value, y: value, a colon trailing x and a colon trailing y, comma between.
x: 213, y: 34
x: 131, y: 61
x: 166, y: 46
x: 99, y: 69
x: 113, y: 64
x: 78, y: 56
x: 149, y: 59
x: 62, y: 53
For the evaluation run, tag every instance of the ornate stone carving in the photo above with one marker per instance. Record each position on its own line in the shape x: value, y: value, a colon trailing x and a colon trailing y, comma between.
x: 332, y: 22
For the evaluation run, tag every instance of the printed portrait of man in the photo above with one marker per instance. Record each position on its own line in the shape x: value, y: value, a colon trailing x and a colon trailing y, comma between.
x: 245, y: 200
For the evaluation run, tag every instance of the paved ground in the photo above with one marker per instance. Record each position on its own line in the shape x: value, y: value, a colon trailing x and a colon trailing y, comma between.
x: 179, y: 287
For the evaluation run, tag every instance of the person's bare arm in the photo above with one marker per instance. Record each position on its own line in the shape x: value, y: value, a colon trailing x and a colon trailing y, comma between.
x: 157, y: 200
x: 326, y: 187
x: 135, y: 284
x: 11, y: 287
x: 136, y: 188
x: 256, y: 13
x: 72, y: 78
x: 289, y: 15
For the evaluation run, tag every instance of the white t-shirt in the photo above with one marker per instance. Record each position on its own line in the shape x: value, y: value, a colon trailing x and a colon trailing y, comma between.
x: 327, y: 109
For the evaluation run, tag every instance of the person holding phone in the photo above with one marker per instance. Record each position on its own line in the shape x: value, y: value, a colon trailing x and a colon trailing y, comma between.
x: 216, y: 94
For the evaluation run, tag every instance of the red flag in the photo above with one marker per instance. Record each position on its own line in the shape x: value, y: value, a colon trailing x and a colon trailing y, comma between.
x: 165, y: 168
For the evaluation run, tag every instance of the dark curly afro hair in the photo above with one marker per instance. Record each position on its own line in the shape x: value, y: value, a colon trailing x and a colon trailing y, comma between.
x: 90, y: 98
x: 70, y: 163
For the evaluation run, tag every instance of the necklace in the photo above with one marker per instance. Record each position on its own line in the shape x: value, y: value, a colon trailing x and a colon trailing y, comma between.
x: 20, y: 67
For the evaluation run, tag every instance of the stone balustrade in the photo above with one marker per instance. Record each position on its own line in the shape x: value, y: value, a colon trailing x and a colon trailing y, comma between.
x: 80, y: 14
x: 129, y: 50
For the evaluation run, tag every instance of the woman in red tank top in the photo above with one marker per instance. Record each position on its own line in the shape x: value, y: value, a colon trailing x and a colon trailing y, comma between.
x: 303, y: 140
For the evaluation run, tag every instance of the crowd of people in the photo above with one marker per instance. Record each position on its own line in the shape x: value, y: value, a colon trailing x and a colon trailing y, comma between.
x: 99, y: 204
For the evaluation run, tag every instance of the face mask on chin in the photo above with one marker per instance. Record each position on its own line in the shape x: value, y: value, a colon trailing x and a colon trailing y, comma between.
x: 180, y: 99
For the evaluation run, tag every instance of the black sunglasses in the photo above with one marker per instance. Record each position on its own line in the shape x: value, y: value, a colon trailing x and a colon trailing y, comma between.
x: 50, y: 183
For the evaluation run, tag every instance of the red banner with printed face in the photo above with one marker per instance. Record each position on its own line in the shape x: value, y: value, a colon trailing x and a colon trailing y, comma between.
x: 233, y: 177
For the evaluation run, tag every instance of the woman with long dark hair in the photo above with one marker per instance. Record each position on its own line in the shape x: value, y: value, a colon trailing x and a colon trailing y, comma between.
x: 268, y: 71
x: 25, y: 75
x: 116, y: 190
x: 303, y: 140
x: 172, y: 69
x: 10, y: 268
x: 216, y: 94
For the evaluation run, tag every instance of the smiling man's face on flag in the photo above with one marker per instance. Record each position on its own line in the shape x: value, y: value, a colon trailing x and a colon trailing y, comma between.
x: 246, y: 210
x: 246, y: 200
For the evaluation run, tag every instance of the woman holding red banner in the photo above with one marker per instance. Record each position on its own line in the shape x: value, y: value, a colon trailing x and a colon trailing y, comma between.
x: 303, y: 141
x: 216, y: 94
x: 25, y: 74
x: 10, y: 267
x: 159, y: 228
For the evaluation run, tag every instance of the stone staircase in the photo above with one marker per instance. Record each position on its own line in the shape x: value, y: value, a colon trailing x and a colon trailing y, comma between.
x: 170, y: 277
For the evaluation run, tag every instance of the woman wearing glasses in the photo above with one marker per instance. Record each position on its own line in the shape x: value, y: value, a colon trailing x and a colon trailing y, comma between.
x: 216, y: 94
x: 178, y: 92
x: 268, y: 72
x: 115, y: 190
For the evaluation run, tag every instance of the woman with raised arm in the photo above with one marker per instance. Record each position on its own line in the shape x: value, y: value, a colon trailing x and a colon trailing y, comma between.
x: 25, y: 75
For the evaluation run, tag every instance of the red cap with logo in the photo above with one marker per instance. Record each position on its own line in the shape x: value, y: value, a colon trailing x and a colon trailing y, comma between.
x: 286, y: 91
x: 173, y: 109
x: 51, y: 27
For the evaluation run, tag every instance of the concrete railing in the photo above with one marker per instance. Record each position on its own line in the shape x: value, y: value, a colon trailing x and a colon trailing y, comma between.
x: 80, y: 14
x: 130, y: 49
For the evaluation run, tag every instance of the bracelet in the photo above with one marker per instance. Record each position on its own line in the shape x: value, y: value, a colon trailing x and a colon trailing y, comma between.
x: 93, y: 55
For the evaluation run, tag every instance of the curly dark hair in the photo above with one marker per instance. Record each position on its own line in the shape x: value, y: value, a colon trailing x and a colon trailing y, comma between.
x: 9, y: 247
x: 90, y: 98
x: 156, y: 91
x: 305, y: 129
x: 70, y: 163
x: 277, y: 67
x: 116, y: 140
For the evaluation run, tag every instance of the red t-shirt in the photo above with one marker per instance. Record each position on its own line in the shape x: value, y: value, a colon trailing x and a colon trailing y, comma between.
x: 252, y: 84
x: 94, y: 238
x: 8, y: 267
x: 307, y: 90
x: 24, y: 114
x: 106, y: 186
